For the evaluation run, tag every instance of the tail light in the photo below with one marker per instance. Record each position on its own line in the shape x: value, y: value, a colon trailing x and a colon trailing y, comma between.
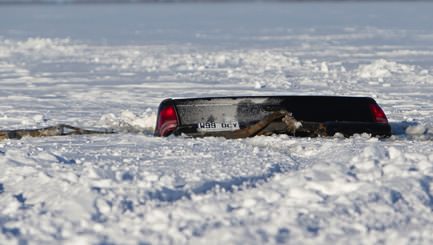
x: 378, y: 114
x: 167, y: 121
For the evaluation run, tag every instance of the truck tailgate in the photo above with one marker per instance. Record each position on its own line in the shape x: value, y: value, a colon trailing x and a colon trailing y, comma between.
x: 221, y: 116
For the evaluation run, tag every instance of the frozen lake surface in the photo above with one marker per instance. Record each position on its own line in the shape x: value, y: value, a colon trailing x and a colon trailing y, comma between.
x: 111, y: 65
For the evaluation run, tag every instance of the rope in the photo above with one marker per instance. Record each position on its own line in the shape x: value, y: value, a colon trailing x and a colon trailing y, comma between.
x: 258, y: 128
x: 292, y: 127
x: 58, y: 130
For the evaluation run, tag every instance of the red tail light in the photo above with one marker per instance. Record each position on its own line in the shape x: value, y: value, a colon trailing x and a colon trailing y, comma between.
x: 167, y: 121
x: 378, y: 114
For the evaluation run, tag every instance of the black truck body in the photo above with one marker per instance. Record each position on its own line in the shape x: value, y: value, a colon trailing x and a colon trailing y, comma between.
x: 313, y: 116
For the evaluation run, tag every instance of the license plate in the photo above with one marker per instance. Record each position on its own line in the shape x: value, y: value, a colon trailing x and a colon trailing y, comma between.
x: 217, y: 126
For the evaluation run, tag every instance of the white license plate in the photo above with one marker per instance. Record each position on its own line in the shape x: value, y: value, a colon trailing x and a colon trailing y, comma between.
x: 217, y: 126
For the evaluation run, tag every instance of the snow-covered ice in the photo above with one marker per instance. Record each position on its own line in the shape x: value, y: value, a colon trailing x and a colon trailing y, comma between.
x: 109, y: 66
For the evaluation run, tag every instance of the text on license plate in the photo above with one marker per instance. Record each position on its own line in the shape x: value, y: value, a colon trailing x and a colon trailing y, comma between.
x: 217, y: 126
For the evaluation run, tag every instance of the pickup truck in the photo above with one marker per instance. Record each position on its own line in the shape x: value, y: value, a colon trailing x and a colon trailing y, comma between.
x: 247, y: 116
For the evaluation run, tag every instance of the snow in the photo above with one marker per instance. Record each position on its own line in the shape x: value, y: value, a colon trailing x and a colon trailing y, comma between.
x: 109, y: 66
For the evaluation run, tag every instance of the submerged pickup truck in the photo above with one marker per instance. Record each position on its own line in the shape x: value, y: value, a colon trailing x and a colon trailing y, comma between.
x: 240, y: 117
